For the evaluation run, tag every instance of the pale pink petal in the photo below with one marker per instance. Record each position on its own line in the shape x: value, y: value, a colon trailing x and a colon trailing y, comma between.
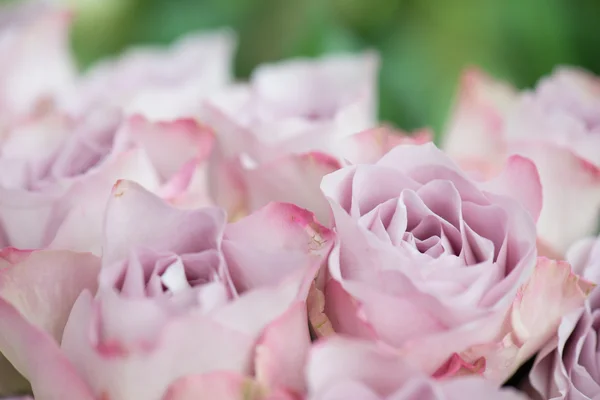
x: 137, y: 218
x: 293, y: 179
x: 44, y: 286
x: 36, y: 355
x: 477, y: 121
x: 76, y: 220
x: 370, y: 145
x: 160, y: 83
x: 187, y: 344
x: 226, y: 185
x: 344, y: 314
x: 273, y: 243
x: 340, y: 359
x: 552, y: 287
x: 338, y: 364
x: 571, y: 192
x: 170, y: 145
x: 520, y: 180
x: 24, y: 215
x: 40, y: 64
x: 282, y: 350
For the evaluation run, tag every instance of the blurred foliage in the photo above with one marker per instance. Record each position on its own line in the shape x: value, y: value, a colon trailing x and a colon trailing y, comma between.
x: 424, y: 43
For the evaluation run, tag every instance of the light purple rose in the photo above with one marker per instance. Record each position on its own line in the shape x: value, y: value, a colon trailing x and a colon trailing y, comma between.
x: 160, y: 83
x: 179, y: 294
x: 440, y: 266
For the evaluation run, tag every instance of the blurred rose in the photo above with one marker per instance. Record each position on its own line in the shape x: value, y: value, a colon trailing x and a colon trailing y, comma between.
x: 57, y: 173
x: 556, y: 125
x: 294, y: 122
x: 36, y: 65
x: 175, y: 298
x: 430, y: 262
x: 160, y: 83
x: 340, y: 369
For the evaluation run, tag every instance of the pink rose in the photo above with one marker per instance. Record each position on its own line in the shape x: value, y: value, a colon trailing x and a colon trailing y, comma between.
x: 433, y: 263
x: 555, y: 125
x: 57, y: 173
x: 340, y: 369
x: 294, y: 122
x: 58, y: 163
x: 159, y: 83
x: 179, y: 294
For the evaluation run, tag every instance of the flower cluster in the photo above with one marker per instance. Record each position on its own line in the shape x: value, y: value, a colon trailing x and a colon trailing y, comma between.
x: 169, y: 234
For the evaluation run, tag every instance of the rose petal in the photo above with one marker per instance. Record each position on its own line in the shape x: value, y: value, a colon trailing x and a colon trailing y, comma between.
x: 166, y: 228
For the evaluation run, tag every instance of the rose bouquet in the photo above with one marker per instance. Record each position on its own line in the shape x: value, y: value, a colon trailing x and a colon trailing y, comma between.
x: 168, y: 234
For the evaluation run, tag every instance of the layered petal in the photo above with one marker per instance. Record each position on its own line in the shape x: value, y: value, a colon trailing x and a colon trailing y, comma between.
x: 37, y: 293
x: 341, y: 367
x: 571, y: 192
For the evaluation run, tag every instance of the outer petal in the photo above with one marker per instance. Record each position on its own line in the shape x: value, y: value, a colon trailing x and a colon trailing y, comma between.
x: 571, y: 191
x: 337, y: 363
x: 291, y: 242
x: 36, y: 355
x: 281, y: 352
x: 191, y: 343
x: 24, y: 215
x: 519, y: 179
x: 40, y: 64
x: 294, y: 179
x: 170, y: 145
x: 45, y: 285
x: 137, y: 218
x: 160, y: 83
x: 42, y: 287
x: 552, y: 287
x: 370, y: 145
x: 76, y: 220
x: 226, y: 185
x: 584, y: 257
x: 476, y: 124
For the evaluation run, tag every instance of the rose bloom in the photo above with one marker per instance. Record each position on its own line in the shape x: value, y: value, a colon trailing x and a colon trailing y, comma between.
x: 440, y: 266
x: 58, y: 164
x: 292, y: 123
x: 178, y: 293
x: 568, y: 367
x: 36, y: 63
x: 556, y: 125
x: 159, y: 83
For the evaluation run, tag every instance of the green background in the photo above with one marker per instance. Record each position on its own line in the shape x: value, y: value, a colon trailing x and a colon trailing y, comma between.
x: 424, y: 43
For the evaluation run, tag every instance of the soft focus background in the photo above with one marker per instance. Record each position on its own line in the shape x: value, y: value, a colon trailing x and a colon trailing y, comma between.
x: 424, y: 43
